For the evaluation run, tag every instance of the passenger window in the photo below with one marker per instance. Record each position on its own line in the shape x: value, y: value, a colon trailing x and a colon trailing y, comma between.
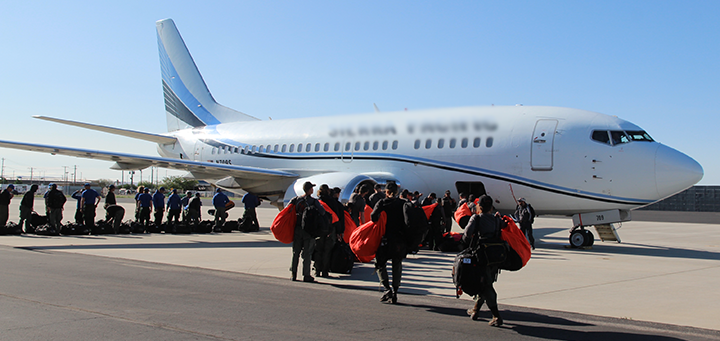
x: 275, y: 150
x: 292, y: 148
x: 618, y: 137
x: 489, y: 142
x: 284, y: 147
x: 441, y: 143
x: 236, y: 150
x: 261, y: 149
x: 464, y: 143
x: 385, y: 145
x: 376, y: 144
x: 212, y: 151
x: 417, y: 144
x: 317, y: 147
x: 452, y: 143
x: 428, y: 143
x: 268, y: 148
x: 347, y: 146
x: 337, y: 146
x: 308, y: 147
x: 395, y: 145
x: 299, y: 147
x: 366, y: 146
x: 601, y: 136
x: 476, y: 142
x: 326, y: 147
x: 254, y: 149
x: 357, y: 146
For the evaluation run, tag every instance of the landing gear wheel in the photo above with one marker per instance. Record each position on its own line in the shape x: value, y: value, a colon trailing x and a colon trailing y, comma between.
x: 589, y: 238
x: 577, y: 238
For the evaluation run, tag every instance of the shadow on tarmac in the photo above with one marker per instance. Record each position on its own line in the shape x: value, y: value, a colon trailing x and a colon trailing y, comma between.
x: 184, y: 245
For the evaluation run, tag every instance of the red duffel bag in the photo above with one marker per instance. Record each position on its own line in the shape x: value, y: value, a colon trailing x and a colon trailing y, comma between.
x: 460, y: 215
x: 365, y: 240
x: 349, y: 227
x: 517, y: 242
x: 283, y: 227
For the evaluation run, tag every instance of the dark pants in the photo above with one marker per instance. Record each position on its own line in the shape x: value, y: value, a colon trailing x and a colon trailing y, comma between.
x: 89, y: 215
x: 4, y: 214
x: 79, y: 216
x: 487, y: 292
x: 219, y: 217
x: 115, y: 214
x: 249, y: 220
x: 305, y: 243
x: 394, y: 252
x: 25, y: 213
x: 159, y: 216
x: 144, y: 215
x: 447, y: 222
x: 323, y: 247
x: 193, y: 217
x: 526, y: 228
x: 55, y: 216
x: 174, y: 214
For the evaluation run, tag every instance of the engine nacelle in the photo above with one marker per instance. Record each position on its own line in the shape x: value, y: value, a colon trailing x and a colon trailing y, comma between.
x: 347, y: 182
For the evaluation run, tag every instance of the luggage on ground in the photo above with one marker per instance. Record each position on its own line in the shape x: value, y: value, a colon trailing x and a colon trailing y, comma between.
x: 47, y: 230
x: 230, y: 225
x: 342, y: 258
x: 73, y: 229
x: 102, y: 227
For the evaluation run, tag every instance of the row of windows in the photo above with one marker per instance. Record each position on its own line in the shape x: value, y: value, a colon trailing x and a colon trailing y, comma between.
x: 376, y: 145
x: 452, y: 143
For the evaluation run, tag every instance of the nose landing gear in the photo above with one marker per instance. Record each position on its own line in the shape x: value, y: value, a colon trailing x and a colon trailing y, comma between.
x: 580, y: 237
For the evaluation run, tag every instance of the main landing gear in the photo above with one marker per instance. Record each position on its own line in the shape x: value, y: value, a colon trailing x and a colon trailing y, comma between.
x: 580, y: 237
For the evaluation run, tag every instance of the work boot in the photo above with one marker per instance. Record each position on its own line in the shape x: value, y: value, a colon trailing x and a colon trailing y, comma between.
x: 388, y: 295
x: 308, y: 279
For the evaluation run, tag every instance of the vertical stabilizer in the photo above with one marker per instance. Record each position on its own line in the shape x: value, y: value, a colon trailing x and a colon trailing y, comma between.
x: 188, y: 102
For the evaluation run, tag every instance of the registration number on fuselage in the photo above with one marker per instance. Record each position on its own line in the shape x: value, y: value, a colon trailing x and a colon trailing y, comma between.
x: 226, y: 162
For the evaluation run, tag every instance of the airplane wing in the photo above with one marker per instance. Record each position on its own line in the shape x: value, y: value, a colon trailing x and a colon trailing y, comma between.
x: 136, y: 162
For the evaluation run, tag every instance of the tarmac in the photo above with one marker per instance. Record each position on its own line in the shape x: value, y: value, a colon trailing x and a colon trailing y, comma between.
x: 663, y: 271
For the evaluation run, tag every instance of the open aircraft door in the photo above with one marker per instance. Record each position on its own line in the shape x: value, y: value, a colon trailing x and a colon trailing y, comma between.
x: 541, y: 154
x: 347, y: 151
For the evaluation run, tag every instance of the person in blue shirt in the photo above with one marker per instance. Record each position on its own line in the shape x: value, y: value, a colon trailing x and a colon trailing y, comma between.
x: 158, y: 201
x: 219, y: 200
x: 174, y: 206
x: 88, y: 203
x: 249, y: 220
x: 145, y: 204
x: 77, y: 195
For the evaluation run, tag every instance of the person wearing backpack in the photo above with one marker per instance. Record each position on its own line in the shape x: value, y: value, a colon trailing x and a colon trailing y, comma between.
x: 485, y: 225
x: 309, y: 211
x: 393, y: 246
x: 327, y: 240
x: 525, y: 215
x: 54, y: 202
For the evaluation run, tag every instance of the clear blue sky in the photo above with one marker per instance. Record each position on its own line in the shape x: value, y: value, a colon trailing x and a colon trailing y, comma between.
x: 654, y: 63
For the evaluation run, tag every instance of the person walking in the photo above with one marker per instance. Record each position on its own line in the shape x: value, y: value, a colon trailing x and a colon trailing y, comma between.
x: 303, y: 242
x: 393, y: 245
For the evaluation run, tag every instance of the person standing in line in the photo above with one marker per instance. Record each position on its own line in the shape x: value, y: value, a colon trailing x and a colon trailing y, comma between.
x: 26, y: 208
x: 249, y: 220
x: 54, y: 202
x: 357, y: 200
x: 219, y: 201
x: 140, y: 191
x: 184, y: 202
x: 113, y: 212
x: 5, y: 196
x: 89, y: 202
x: 377, y: 196
x: 429, y: 200
x: 525, y: 216
x: 77, y: 195
x: 145, y: 206
x: 174, y: 205
x: 448, y: 206
x: 325, y: 243
x: 303, y: 242
x: 485, y: 225
x: 193, y: 209
x: 393, y: 245
x: 158, y: 199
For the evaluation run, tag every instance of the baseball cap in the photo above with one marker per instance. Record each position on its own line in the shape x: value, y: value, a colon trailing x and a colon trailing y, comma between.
x: 308, y: 185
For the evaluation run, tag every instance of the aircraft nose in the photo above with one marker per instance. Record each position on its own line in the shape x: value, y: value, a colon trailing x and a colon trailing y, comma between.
x: 675, y: 171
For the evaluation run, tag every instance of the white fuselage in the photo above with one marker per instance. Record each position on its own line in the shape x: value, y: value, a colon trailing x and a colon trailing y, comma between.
x: 544, y: 154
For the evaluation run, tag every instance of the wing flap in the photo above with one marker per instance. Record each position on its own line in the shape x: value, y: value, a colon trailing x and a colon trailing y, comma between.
x: 136, y: 162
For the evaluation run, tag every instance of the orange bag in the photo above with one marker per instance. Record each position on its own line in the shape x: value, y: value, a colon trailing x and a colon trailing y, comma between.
x: 429, y: 209
x: 462, y: 211
x: 327, y: 208
x: 283, y: 226
x: 365, y: 240
x: 516, y: 239
x: 349, y: 227
x: 367, y: 213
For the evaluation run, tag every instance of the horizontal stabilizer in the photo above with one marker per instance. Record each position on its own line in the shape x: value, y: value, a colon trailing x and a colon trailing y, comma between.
x: 161, y: 139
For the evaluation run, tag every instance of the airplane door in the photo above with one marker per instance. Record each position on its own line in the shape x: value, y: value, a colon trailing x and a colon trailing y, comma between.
x: 541, y: 154
x: 347, y: 152
x: 199, y: 146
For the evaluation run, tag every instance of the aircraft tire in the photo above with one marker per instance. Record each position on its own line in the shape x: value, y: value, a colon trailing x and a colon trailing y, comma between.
x: 589, y: 238
x: 577, y: 238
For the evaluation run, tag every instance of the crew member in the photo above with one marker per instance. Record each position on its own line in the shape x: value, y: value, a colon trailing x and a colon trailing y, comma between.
x: 77, y: 195
x: 158, y: 201
x: 54, y: 202
x: 90, y: 200
x: 303, y: 241
x: 140, y: 191
x: 249, y: 219
x: 113, y: 212
x: 5, y: 196
x: 193, y: 209
x: 26, y: 208
x: 219, y: 201
x: 145, y: 206
x: 393, y: 246
x: 525, y: 216
x: 174, y: 204
x: 485, y: 225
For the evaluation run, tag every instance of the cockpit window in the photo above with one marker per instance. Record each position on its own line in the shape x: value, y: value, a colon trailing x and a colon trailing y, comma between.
x: 618, y: 137
x: 639, y: 135
x: 601, y: 136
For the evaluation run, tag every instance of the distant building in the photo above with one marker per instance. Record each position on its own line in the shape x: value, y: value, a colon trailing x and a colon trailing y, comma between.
x: 696, y: 199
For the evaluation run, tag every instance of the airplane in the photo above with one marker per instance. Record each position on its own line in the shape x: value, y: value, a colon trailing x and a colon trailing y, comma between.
x: 564, y: 161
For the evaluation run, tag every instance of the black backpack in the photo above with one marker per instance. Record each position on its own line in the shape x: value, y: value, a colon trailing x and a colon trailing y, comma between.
x: 311, y: 219
x: 417, y: 225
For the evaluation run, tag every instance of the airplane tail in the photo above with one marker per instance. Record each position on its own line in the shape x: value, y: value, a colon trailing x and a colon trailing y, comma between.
x: 188, y: 102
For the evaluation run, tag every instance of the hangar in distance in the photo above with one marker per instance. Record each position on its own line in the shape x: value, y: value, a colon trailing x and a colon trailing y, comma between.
x: 564, y: 161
